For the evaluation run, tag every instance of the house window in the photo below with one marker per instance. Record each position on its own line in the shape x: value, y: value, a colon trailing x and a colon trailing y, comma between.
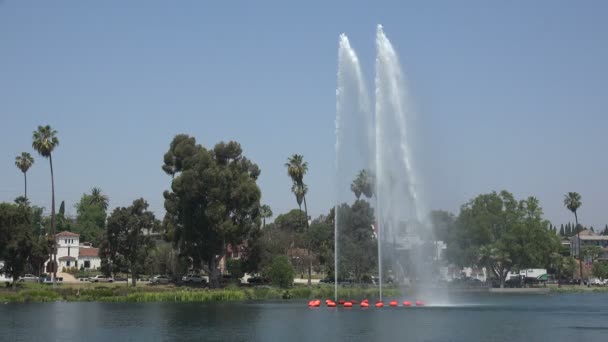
x: 87, y: 264
x: 67, y: 263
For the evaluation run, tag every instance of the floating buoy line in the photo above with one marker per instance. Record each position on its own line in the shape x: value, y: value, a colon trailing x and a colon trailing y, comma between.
x: 315, y: 303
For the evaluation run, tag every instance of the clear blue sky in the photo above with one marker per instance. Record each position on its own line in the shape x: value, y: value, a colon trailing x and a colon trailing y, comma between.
x: 510, y: 95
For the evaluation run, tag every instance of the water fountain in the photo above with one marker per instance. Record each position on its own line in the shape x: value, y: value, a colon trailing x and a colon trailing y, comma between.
x: 399, y: 210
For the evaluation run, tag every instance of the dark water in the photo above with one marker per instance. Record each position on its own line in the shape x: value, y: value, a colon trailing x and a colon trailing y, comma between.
x: 567, y: 317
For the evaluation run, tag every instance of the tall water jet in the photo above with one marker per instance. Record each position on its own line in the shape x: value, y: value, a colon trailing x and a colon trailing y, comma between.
x: 353, y: 121
x: 380, y: 142
x: 399, y: 210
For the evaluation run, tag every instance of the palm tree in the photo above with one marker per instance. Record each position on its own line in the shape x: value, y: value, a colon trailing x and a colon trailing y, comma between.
x: 296, y: 169
x: 265, y: 212
x: 44, y: 142
x: 97, y: 198
x: 572, y: 201
x: 363, y: 184
x: 24, y: 162
x: 300, y: 193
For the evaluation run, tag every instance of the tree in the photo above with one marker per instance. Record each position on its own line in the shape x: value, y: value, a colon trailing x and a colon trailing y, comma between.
x: 126, y: 235
x: 182, y: 147
x: 561, y: 230
x: 572, y: 201
x: 164, y: 259
x: 281, y: 272
x: 24, y: 162
x: 15, y: 239
x: 600, y: 269
x: 363, y: 184
x: 99, y: 199
x: 214, y: 200
x: 44, y: 142
x: 592, y: 252
x: 562, y: 265
x: 443, y: 223
x: 91, y: 216
x: 358, y: 246
x: 296, y: 169
x: 235, y: 268
x: 497, y: 231
x: 320, y: 237
x: 265, y: 212
x: 300, y: 192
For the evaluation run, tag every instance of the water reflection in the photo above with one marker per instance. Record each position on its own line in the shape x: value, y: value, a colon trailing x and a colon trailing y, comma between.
x: 581, y: 317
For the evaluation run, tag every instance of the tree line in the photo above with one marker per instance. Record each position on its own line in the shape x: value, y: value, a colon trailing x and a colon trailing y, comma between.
x: 213, y: 206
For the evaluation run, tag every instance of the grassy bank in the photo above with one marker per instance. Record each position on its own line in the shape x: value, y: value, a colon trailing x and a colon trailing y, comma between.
x: 109, y: 293
x: 577, y: 289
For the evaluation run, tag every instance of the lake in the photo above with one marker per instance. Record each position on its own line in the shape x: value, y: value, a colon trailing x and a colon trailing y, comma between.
x: 481, y: 317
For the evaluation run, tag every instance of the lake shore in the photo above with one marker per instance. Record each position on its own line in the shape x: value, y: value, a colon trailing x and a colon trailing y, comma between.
x: 145, y: 293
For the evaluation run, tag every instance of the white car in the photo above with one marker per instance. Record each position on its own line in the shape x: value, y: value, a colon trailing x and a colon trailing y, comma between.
x: 159, y: 279
x: 595, y: 282
x: 194, y: 279
x: 100, y: 279
x: 29, y: 278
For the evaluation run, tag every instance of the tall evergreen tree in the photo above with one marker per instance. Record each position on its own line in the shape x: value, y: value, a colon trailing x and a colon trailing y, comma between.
x: 561, y: 231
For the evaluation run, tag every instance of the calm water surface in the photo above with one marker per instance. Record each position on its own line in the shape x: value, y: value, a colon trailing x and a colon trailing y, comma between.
x: 567, y: 317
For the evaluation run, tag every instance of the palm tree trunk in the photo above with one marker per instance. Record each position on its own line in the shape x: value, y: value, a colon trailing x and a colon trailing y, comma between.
x: 54, y: 251
x: 308, y: 249
x: 580, y: 254
x: 25, y: 181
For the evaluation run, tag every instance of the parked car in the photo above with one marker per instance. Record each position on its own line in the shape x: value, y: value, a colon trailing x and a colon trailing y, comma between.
x: 120, y: 278
x: 257, y: 280
x: 159, y: 279
x: 100, y: 279
x: 194, y: 279
x: 29, y: 278
x: 595, y: 282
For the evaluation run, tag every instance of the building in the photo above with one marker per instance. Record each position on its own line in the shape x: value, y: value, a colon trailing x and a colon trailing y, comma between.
x: 72, y: 253
x: 589, y: 238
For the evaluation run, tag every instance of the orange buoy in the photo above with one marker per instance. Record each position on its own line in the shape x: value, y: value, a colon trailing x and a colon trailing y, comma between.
x: 364, y: 304
x: 379, y: 305
x: 341, y: 301
x: 365, y: 300
x: 419, y: 303
x: 311, y: 303
x: 407, y: 303
x: 348, y: 304
x: 331, y: 304
x: 393, y: 303
x: 316, y: 303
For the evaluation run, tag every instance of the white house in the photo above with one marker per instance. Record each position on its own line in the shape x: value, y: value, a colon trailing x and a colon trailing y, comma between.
x: 72, y: 253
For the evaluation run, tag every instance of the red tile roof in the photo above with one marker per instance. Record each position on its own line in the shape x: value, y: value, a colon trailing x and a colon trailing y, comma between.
x: 88, y: 252
x: 66, y: 233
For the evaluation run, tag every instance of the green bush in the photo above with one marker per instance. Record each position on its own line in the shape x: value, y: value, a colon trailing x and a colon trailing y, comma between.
x: 600, y: 269
x: 281, y: 272
x: 235, y: 268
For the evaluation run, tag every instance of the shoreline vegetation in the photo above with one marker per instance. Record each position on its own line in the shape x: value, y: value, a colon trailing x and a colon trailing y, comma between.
x: 145, y: 294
